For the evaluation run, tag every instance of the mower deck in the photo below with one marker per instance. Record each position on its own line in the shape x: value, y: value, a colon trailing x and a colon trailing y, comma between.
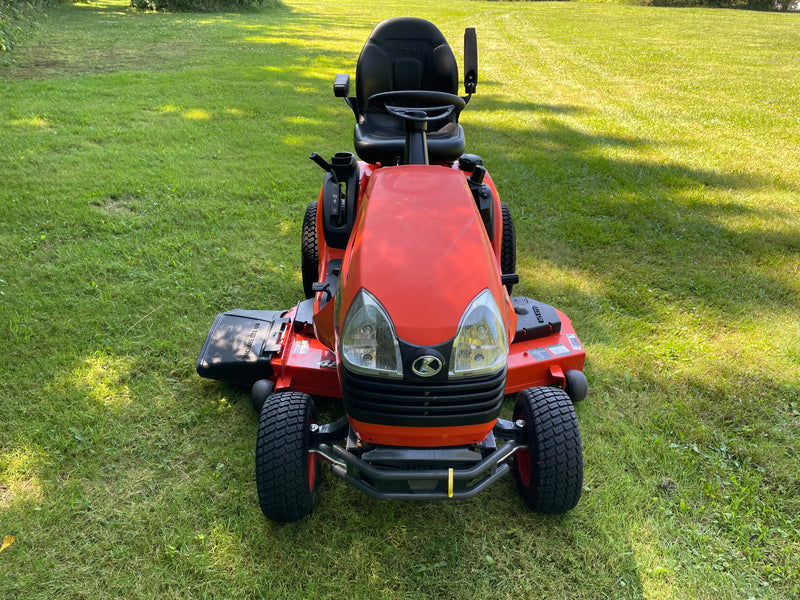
x: 243, y: 347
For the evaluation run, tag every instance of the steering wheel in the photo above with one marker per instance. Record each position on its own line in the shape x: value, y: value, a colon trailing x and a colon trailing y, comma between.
x: 420, y: 106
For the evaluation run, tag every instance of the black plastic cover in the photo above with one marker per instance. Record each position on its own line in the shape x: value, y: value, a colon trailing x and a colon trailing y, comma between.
x: 470, y: 60
x: 534, y: 319
x: 304, y: 317
x: 341, y: 85
x: 240, y: 345
x: 339, y: 199
x: 484, y: 198
x: 468, y: 162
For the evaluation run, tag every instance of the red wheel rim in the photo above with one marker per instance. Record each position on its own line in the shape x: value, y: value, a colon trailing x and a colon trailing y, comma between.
x: 524, y: 469
x: 312, y: 465
x: 312, y: 471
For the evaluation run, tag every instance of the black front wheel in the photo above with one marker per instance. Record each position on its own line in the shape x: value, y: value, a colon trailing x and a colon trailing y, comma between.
x: 286, y: 473
x: 549, y: 473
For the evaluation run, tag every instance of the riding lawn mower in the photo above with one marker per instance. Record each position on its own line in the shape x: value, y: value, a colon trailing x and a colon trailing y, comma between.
x: 408, y: 264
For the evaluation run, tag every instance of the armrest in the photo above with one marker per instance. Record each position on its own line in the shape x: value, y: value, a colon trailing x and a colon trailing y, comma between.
x: 341, y: 86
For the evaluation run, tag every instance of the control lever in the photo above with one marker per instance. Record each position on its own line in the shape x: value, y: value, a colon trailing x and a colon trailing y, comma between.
x: 323, y: 287
x: 483, y: 197
x: 478, y: 173
x: 335, y: 195
x: 322, y: 163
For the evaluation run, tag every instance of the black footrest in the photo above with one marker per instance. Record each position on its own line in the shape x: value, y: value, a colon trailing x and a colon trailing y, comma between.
x: 534, y: 319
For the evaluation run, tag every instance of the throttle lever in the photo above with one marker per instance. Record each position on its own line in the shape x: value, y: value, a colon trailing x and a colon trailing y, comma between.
x: 322, y: 162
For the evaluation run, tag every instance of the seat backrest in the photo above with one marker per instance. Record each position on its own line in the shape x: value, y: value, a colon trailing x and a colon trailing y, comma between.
x: 405, y: 53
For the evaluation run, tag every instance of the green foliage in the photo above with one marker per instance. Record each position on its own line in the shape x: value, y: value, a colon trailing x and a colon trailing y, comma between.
x: 202, y: 5
x: 14, y: 14
x: 769, y: 5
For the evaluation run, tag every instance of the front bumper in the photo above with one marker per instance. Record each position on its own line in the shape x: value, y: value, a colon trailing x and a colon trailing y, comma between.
x: 394, y: 473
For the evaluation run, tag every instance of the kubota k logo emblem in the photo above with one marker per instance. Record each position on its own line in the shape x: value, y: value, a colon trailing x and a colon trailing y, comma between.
x: 426, y: 366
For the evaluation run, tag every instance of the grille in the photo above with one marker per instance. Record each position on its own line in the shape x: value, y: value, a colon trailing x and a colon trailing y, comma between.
x: 436, y: 404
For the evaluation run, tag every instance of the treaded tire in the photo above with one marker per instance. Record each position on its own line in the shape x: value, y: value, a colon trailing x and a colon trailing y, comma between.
x: 310, y: 252
x: 286, y: 474
x: 508, y: 250
x: 549, y: 473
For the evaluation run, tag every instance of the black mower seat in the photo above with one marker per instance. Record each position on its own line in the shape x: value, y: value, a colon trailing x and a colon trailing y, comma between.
x: 404, y: 54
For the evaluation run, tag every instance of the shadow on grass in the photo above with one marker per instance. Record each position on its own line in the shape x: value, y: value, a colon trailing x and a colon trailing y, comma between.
x: 646, y: 255
x: 593, y: 203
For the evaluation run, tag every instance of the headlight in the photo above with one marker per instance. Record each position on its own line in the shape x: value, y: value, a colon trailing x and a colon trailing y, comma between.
x: 481, y: 345
x: 368, y: 343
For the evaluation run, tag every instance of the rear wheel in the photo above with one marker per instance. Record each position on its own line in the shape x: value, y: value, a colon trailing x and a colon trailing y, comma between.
x: 549, y: 473
x: 310, y: 252
x: 508, y: 251
x: 286, y: 473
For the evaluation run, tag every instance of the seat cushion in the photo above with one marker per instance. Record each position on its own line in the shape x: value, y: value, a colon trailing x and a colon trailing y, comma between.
x: 375, y: 142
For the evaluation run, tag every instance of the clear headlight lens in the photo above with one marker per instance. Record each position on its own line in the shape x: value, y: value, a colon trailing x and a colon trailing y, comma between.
x: 481, y: 345
x: 368, y: 342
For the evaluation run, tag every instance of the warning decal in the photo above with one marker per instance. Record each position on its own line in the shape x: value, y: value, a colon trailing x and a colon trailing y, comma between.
x: 540, y: 354
x: 559, y: 350
x: 573, y: 341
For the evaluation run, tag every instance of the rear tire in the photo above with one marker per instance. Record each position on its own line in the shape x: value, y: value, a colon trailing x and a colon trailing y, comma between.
x: 310, y: 252
x: 286, y: 474
x: 549, y: 473
x: 508, y: 250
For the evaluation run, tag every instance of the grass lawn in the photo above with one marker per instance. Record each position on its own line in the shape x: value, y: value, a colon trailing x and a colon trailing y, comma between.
x: 154, y: 172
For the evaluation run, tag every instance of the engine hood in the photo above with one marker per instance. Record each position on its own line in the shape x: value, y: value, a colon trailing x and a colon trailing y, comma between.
x: 419, y: 246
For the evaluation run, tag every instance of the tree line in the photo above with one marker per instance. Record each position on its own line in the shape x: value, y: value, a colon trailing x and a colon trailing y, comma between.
x: 15, y: 15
